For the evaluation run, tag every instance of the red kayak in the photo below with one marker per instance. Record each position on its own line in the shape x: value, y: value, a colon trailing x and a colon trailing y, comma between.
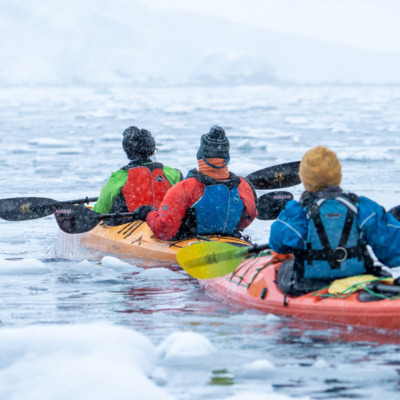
x: 252, y: 286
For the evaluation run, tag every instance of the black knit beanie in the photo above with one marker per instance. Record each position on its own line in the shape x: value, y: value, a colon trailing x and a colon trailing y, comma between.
x: 214, y: 144
x: 138, y: 143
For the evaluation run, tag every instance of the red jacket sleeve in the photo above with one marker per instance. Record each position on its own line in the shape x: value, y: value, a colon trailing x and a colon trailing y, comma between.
x: 248, y: 196
x: 166, y: 221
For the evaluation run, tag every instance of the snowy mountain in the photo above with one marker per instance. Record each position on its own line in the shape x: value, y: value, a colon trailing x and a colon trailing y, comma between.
x: 126, y: 42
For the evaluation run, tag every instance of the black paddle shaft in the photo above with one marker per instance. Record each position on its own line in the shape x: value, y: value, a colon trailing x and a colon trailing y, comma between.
x: 258, y: 248
x: 276, y: 177
x: 26, y: 208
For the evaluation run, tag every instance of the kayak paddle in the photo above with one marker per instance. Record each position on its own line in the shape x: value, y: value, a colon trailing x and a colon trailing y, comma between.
x: 78, y: 219
x: 276, y: 177
x: 271, y: 204
x: 206, y: 260
x: 26, y: 208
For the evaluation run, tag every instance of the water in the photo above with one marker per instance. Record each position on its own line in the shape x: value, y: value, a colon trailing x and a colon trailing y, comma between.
x: 63, y: 143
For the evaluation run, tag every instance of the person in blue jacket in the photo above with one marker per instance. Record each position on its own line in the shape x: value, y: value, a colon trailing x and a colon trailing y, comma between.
x: 328, y: 230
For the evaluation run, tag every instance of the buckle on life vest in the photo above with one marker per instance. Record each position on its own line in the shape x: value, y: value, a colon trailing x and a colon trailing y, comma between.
x: 340, y: 257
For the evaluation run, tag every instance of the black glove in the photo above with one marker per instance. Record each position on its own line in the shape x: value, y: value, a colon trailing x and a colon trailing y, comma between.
x: 141, y: 212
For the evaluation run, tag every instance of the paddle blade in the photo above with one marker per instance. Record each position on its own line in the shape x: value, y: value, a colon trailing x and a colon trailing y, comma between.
x: 271, y: 204
x: 76, y: 219
x: 205, y: 260
x: 276, y: 177
x: 26, y: 208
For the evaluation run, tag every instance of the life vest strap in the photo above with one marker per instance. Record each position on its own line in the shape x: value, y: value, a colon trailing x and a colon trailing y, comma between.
x: 341, y: 253
x: 333, y: 256
x: 232, y: 182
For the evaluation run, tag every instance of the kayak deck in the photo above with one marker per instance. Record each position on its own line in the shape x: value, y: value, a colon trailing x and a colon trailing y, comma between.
x: 253, y: 286
x: 137, y: 239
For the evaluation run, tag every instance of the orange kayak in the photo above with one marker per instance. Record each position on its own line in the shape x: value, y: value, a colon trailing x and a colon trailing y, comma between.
x: 137, y: 239
x: 252, y: 286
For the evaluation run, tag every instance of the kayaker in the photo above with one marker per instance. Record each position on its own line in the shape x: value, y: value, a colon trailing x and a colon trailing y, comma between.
x: 328, y: 230
x: 140, y: 182
x: 211, y: 200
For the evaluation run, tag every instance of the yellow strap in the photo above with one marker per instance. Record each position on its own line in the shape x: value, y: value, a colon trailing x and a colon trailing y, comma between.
x: 353, y: 283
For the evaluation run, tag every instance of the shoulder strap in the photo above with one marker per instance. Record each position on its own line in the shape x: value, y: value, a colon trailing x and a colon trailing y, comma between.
x: 147, y: 164
x: 232, y: 182
x: 352, y: 211
x: 314, y: 212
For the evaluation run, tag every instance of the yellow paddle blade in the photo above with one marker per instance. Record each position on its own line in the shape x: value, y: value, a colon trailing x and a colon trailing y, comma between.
x: 353, y: 283
x: 205, y: 260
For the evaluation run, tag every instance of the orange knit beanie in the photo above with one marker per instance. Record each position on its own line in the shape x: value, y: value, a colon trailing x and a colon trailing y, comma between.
x: 320, y: 168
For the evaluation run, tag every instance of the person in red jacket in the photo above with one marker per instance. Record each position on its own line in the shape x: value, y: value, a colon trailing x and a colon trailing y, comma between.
x: 211, y: 200
x: 142, y: 181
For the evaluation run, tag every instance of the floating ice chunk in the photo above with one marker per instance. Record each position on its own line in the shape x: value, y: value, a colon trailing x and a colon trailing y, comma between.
x: 180, y: 345
x: 248, y: 144
x: 76, y: 361
x: 21, y: 150
x: 84, y: 267
x: 118, y: 265
x: 71, y: 151
x: 320, y: 363
x: 339, y: 127
x: 49, y: 142
x: 259, y: 369
x: 263, y: 396
x: 272, y: 318
x: 179, y: 109
x: 261, y: 365
x: 111, y: 137
x: 296, y: 120
x: 24, y: 266
x: 371, y: 141
x: 158, y: 273
x: 365, y: 155
x: 99, y: 114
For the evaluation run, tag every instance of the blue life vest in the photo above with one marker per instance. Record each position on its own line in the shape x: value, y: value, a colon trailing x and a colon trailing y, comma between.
x: 334, y: 246
x: 218, y: 211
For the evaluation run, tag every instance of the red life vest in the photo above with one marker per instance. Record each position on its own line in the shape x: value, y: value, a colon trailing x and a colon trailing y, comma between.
x: 146, y: 185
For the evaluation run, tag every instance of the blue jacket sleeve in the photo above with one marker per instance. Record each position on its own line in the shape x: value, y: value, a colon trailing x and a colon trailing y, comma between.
x: 381, y: 231
x: 289, y: 231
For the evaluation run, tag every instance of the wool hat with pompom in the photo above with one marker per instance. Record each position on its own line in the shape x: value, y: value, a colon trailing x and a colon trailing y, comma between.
x: 214, y: 144
x: 320, y: 168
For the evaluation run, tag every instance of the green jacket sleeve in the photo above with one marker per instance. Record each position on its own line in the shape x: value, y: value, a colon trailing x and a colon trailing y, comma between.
x: 111, y: 191
x: 173, y: 175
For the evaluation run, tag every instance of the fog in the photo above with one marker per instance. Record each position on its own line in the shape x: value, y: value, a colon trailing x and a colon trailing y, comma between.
x: 174, y: 43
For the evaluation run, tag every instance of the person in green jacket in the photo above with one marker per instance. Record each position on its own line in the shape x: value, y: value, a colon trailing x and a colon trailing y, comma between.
x: 142, y: 181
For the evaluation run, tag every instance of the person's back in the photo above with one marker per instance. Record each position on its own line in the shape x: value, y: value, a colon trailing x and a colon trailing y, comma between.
x: 328, y: 230
x: 210, y: 200
x: 142, y: 181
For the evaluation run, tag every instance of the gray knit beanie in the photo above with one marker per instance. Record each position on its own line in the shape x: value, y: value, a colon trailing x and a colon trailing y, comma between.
x: 214, y: 144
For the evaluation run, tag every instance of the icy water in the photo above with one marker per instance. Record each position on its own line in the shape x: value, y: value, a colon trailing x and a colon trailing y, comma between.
x: 63, y: 144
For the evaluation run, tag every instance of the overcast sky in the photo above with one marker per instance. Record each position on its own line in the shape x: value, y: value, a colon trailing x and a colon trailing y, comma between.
x: 371, y: 24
